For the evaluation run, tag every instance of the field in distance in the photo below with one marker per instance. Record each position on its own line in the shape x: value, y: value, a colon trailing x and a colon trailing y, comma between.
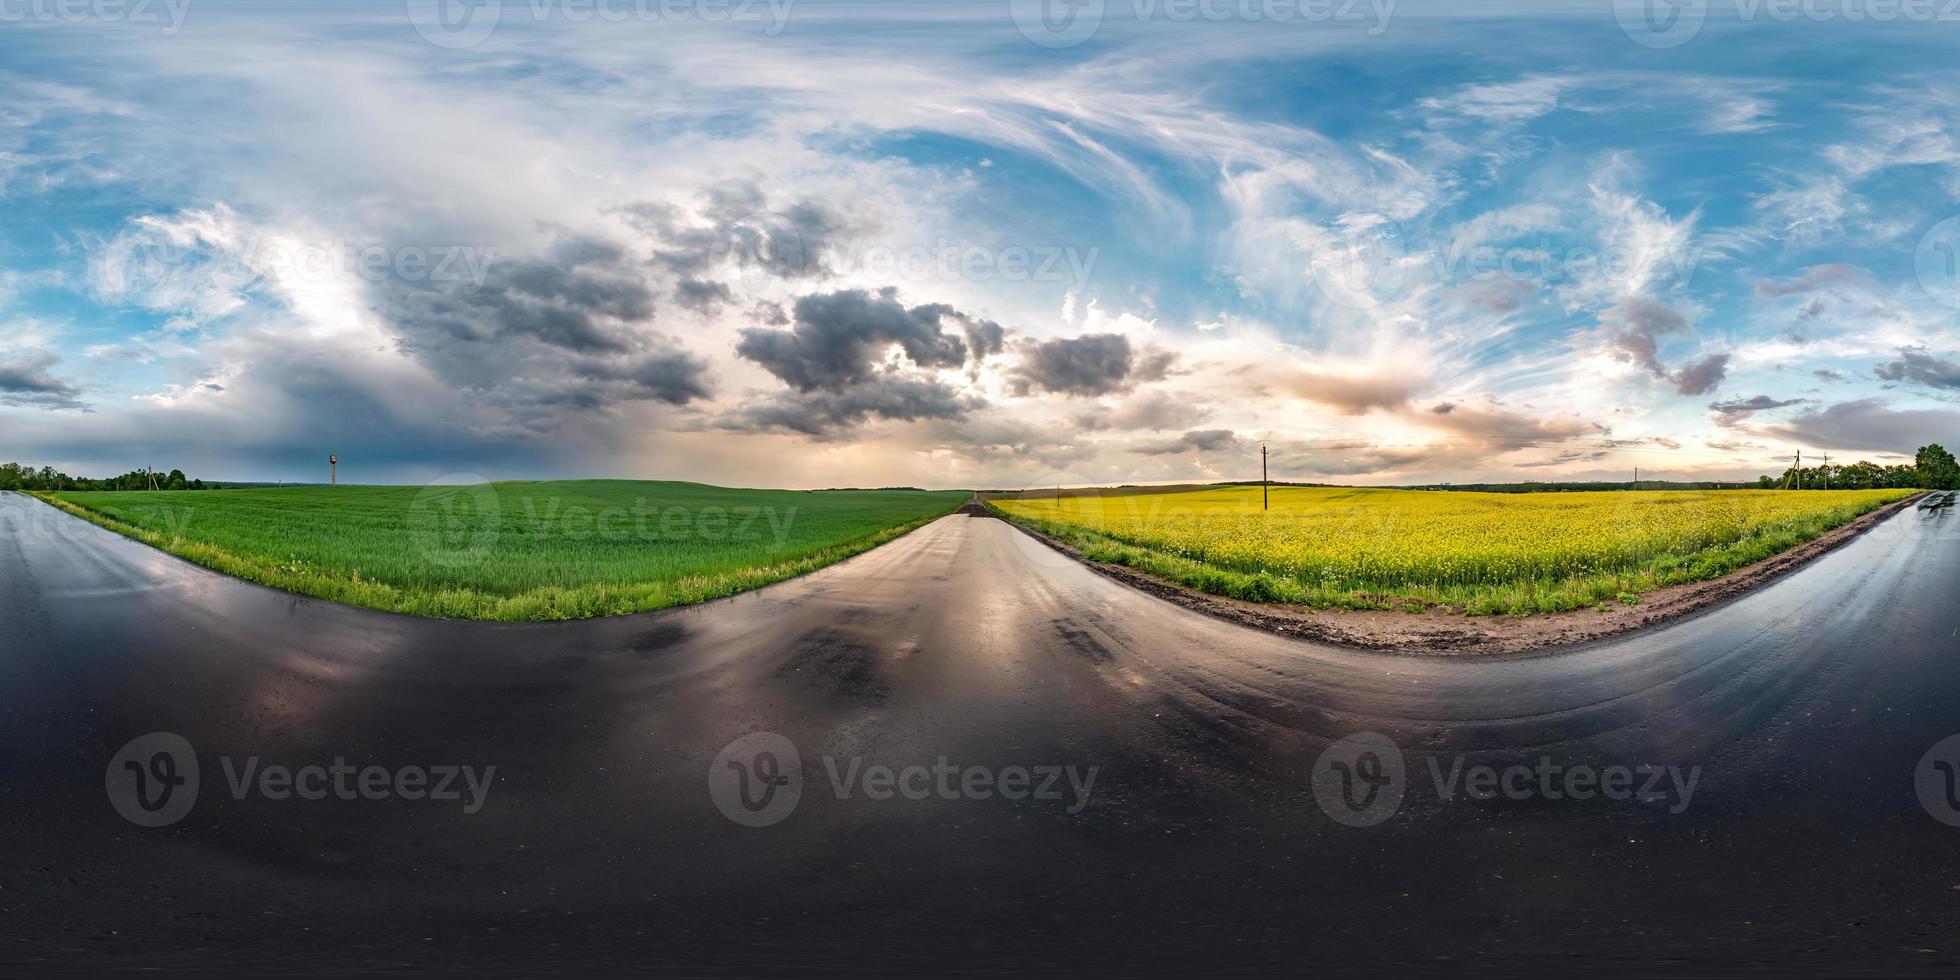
x: 1477, y: 553
x: 514, y: 551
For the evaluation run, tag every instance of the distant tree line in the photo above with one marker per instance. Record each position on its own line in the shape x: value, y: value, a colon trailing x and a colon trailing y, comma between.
x: 14, y: 476
x: 1540, y: 486
x: 1932, y: 468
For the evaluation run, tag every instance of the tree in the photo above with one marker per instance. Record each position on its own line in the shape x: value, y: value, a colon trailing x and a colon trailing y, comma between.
x: 14, y: 476
x: 1937, y: 468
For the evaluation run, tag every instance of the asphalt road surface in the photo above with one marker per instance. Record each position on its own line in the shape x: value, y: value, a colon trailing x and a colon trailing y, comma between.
x: 1783, y: 832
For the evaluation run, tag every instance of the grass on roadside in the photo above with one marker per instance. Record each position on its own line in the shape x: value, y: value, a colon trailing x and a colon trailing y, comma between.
x: 513, y: 551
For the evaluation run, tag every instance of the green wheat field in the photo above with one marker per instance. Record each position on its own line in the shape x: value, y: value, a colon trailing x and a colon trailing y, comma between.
x: 514, y: 551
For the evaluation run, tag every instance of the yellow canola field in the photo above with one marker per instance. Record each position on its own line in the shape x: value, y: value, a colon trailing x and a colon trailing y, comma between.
x: 1490, y: 552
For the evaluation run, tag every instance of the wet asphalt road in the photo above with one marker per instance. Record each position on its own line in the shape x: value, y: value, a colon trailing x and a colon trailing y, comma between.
x: 1800, y: 710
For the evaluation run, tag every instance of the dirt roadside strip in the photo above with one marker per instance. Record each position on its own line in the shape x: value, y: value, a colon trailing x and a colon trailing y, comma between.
x: 1434, y: 633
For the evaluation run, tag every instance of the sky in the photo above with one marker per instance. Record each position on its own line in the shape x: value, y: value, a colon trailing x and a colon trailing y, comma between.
x: 1001, y: 244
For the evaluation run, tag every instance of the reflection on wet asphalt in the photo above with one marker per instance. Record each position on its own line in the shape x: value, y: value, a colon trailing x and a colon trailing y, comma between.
x: 1801, y: 712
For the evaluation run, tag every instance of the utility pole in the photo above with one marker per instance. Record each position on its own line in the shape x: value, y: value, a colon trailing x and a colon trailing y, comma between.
x: 1827, y: 471
x: 333, y: 470
x: 1636, y: 478
x: 1796, y: 474
x: 1265, y: 484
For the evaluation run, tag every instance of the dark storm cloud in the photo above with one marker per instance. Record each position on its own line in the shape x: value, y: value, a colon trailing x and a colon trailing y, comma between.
x: 822, y: 413
x: 573, y: 328
x: 675, y: 377
x: 834, y: 356
x: 1085, y: 366
x: 1197, y: 440
x: 1703, y: 376
x: 737, y: 224
x: 1917, y: 366
x: 1635, y: 329
x: 985, y: 338
x: 701, y: 295
x: 1738, y: 409
x: 771, y: 314
x: 27, y: 382
x: 583, y: 295
x: 1866, y: 425
x: 839, y: 339
x: 1634, y: 332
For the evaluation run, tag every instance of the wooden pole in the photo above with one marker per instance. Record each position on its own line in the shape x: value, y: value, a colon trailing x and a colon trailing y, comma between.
x: 1265, y: 483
